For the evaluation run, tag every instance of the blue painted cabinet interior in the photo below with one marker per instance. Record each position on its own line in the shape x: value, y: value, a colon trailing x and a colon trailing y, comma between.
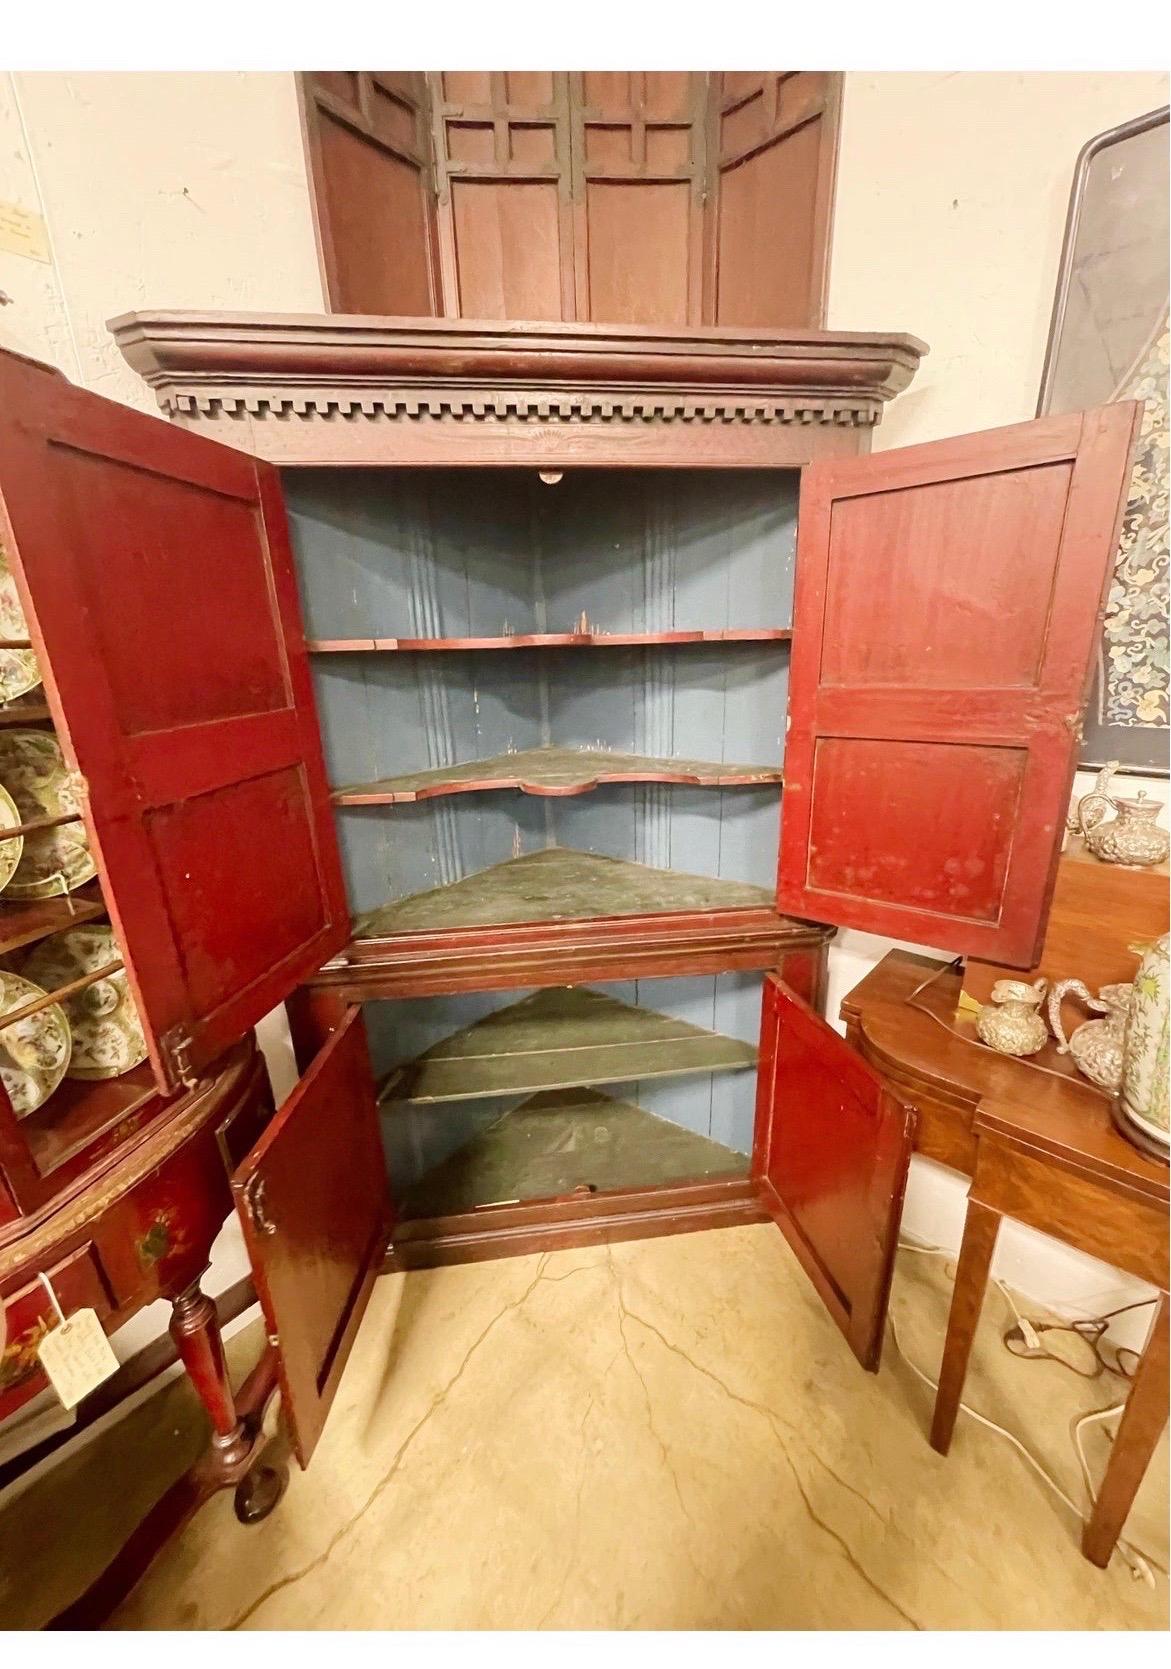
x: 455, y: 553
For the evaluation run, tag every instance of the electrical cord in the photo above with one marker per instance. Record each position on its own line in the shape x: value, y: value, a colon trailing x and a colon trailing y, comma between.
x: 978, y: 1043
x: 1142, y: 1565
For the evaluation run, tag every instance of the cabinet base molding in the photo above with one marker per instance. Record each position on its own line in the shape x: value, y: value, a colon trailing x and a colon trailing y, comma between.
x: 508, y: 1231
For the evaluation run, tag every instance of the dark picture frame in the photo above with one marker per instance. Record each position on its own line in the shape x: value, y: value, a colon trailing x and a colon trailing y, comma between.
x: 1108, y: 341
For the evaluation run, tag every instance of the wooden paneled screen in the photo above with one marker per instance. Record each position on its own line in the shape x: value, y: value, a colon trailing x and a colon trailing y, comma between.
x: 617, y: 196
x: 368, y: 145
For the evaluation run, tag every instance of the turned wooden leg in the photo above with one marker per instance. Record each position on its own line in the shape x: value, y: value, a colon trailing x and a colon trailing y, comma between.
x: 195, y: 1329
x: 1139, y: 1430
x: 259, y: 1482
x: 975, y: 1260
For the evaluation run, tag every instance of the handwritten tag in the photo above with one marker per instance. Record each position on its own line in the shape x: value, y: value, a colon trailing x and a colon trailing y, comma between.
x: 23, y: 233
x: 77, y: 1357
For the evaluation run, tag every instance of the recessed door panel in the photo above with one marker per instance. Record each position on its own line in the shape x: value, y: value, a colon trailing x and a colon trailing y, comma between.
x: 945, y: 617
x: 863, y: 793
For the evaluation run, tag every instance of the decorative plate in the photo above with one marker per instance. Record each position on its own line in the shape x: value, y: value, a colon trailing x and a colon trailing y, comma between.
x: 34, y: 772
x: 19, y: 671
x: 107, y: 1033
x: 10, y: 850
x: 34, y: 1053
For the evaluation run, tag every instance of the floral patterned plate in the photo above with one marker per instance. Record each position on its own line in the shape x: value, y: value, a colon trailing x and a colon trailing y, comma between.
x: 107, y: 1033
x: 10, y: 850
x: 34, y: 772
x: 34, y: 1053
x: 19, y: 671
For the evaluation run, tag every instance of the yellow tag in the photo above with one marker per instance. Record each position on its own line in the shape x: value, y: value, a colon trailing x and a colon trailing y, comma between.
x: 23, y: 233
x: 967, y: 1005
x: 77, y: 1357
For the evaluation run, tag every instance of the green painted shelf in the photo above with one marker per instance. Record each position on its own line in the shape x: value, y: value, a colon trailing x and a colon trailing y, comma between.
x: 560, y: 1039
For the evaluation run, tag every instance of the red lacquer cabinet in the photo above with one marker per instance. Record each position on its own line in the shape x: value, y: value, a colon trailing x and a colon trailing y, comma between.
x: 155, y: 578
x: 944, y: 616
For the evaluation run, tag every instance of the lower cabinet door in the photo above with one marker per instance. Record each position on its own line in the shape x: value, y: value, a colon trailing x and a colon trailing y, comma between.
x: 314, y: 1201
x: 830, y: 1156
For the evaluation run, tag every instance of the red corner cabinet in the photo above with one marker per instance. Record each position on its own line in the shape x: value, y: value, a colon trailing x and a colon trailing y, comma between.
x: 946, y: 602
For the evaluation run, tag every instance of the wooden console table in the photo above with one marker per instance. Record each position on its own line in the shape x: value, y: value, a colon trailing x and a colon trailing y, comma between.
x: 1041, y: 1149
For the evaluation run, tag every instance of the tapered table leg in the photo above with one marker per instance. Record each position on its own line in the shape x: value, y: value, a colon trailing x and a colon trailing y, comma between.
x: 1139, y: 1430
x: 980, y: 1230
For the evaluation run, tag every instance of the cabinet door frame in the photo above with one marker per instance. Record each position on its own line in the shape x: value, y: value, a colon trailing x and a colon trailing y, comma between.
x: 298, y: 1223
x: 879, y: 1144
x: 1036, y: 718
x: 133, y: 767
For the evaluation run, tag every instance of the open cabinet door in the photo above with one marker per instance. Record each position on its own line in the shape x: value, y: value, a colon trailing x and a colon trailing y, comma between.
x: 947, y: 609
x: 830, y: 1157
x: 312, y: 1197
x: 157, y: 578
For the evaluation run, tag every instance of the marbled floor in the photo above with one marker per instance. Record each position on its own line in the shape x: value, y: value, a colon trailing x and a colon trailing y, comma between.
x: 663, y: 1434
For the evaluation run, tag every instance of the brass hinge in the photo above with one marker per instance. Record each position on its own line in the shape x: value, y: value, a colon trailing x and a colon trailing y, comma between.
x: 254, y: 1200
x: 177, y: 1045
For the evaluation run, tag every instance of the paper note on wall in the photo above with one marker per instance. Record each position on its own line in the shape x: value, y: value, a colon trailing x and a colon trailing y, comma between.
x: 23, y: 233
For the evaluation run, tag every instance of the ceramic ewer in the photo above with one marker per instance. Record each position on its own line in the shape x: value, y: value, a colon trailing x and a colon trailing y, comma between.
x: 1133, y: 837
x: 34, y: 1052
x: 1096, y: 1045
x: 1144, y: 1101
x: 107, y: 1032
x: 1011, y: 1023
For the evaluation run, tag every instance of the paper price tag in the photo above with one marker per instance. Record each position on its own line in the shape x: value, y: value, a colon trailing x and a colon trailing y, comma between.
x: 77, y: 1357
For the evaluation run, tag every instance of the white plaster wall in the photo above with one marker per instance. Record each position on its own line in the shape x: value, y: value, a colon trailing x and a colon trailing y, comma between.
x: 163, y: 190
x: 951, y: 198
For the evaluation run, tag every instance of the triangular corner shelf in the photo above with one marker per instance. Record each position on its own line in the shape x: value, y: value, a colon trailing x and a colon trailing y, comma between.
x: 558, y: 884
x: 562, y: 1141
x: 563, y: 1037
x: 553, y: 771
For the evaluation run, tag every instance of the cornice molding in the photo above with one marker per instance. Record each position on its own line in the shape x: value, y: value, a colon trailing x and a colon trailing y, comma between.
x: 339, y: 388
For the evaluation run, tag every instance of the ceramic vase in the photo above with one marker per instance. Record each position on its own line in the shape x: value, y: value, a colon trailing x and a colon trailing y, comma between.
x: 1144, y: 1073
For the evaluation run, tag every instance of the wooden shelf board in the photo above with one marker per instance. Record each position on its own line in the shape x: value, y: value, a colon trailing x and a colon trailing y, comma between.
x: 566, y: 1140
x: 560, y: 1039
x: 542, y: 640
x: 23, y: 921
x: 33, y: 712
x: 552, y: 772
x: 558, y: 884
x: 78, y: 1111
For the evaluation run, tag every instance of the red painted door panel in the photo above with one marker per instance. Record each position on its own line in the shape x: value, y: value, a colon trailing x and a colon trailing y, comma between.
x: 158, y: 580
x: 946, y: 614
x: 312, y: 1197
x: 829, y: 1157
